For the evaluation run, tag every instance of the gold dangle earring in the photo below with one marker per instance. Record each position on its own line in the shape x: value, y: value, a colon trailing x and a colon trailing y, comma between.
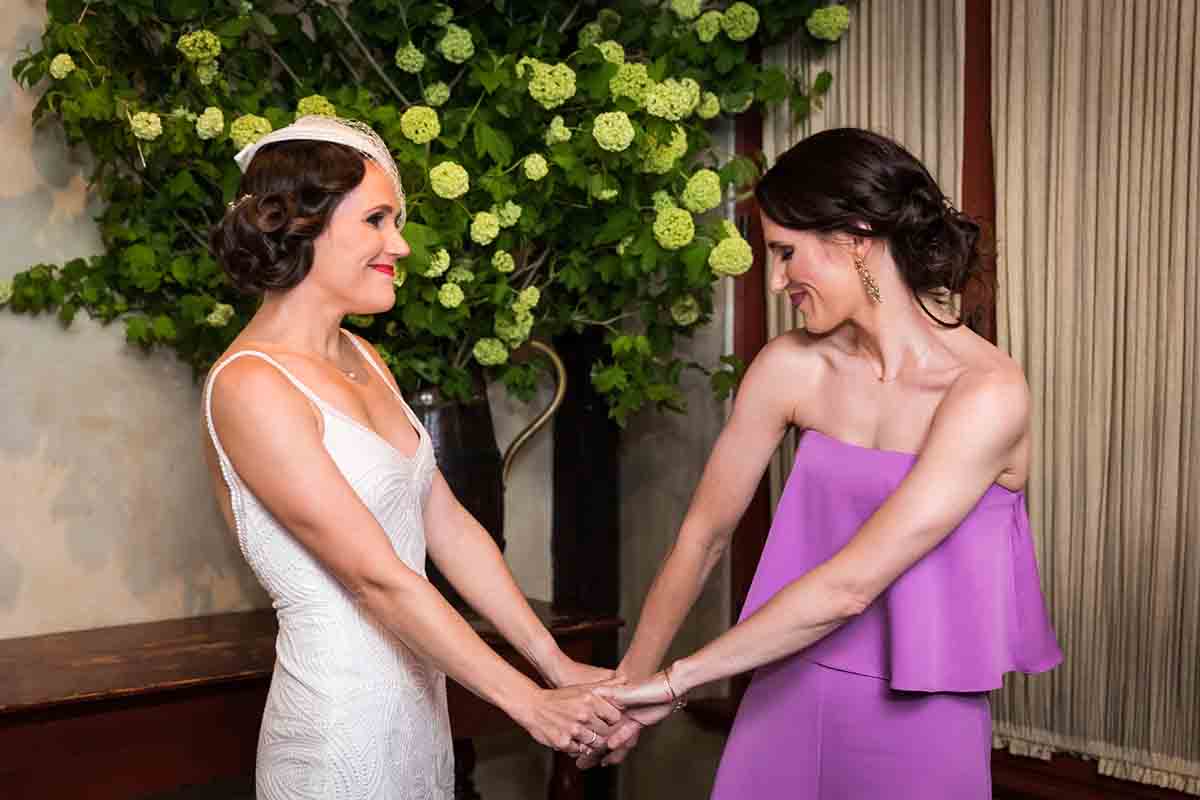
x: 867, y: 279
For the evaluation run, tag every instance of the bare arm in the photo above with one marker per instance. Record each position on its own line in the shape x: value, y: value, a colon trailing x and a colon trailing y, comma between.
x: 978, y: 426
x: 465, y: 553
x: 272, y: 436
x: 739, y: 458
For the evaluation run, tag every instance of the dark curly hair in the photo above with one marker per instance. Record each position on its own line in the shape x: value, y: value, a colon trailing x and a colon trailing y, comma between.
x: 291, y: 189
x: 856, y: 182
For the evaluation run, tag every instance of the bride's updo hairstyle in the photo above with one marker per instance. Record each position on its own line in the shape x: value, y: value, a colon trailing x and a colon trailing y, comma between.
x: 291, y: 189
x: 859, y: 183
x: 292, y: 181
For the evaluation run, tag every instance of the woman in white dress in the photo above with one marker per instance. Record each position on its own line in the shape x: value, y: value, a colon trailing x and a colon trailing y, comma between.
x: 329, y: 482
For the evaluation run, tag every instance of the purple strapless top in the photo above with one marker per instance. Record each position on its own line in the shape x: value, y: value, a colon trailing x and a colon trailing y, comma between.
x: 956, y: 621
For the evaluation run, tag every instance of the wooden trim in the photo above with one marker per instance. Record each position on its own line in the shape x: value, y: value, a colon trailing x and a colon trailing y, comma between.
x: 749, y: 336
x: 979, y: 177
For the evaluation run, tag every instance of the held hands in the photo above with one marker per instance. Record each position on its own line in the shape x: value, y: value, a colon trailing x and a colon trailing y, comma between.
x: 645, y: 703
x: 573, y: 720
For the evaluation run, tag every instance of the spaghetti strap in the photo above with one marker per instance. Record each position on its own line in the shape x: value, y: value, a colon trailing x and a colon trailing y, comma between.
x: 212, y: 378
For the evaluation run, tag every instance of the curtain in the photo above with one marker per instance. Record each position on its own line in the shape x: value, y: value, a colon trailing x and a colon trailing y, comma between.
x: 898, y: 71
x: 1096, y: 114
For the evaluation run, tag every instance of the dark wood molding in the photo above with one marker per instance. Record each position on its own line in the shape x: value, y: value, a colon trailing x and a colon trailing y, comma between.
x: 585, y: 547
x: 749, y: 336
x: 979, y: 175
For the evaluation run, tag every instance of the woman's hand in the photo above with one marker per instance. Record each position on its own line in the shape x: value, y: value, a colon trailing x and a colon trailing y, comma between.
x: 625, y: 735
x: 573, y: 720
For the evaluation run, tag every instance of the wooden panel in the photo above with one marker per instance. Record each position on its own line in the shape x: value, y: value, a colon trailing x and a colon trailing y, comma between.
x: 979, y: 180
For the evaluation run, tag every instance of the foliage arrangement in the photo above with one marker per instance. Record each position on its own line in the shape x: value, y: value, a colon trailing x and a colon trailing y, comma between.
x: 557, y: 159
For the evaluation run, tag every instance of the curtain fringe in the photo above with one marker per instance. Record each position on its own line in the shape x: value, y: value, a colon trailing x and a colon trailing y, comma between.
x: 1123, y: 763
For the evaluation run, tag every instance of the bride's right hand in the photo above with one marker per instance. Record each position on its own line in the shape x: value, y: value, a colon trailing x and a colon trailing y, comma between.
x: 569, y: 719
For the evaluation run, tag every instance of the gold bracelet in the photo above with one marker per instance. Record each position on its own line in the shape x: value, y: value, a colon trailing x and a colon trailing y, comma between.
x: 677, y: 702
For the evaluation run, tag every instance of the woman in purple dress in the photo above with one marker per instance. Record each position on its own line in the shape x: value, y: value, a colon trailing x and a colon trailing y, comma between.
x: 898, y: 583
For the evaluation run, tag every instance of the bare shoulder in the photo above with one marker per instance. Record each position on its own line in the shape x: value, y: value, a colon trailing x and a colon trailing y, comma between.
x: 785, y: 371
x: 988, y: 405
x: 248, y: 390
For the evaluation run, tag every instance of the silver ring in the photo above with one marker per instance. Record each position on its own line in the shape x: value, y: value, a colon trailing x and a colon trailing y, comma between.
x: 592, y: 741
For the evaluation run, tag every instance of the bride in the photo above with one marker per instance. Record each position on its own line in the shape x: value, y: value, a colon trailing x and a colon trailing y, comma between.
x: 329, y: 482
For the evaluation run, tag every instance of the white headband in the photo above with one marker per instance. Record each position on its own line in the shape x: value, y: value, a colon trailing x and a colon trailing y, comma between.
x: 349, y: 132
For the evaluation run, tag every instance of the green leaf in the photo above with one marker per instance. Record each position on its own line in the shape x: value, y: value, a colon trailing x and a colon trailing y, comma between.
x: 773, y: 86
x: 609, y: 379
x: 493, y: 143
x: 182, y: 269
x: 263, y: 23
x: 822, y: 82
x: 164, y: 328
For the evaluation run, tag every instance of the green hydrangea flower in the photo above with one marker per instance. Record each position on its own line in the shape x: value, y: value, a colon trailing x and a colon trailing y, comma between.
x: 6, y: 291
x: 558, y: 132
x: 513, y: 327
x: 607, y: 194
x: 609, y: 20
x: 729, y: 229
x: 179, y: 112
x: 731, y: 256
x: 449, y: 180
x: 625, y: 242
x: 410, y: 59
x: 451, y: 295
x: 672, y: 99
x: 686, y: 9
x: 612, y: 51
x: 61, y: 66
x: 146, y: 125
x: 400, y: 276
x: 613, y: 131
x: 456, y: 45
x: 659, y: 159
x: 503, y: 261
x: 740, y: 21
x: 708, y: 26
x: 674, y: 228
x: 525, y: 63
x: 590, y: 34
x: 460, y: 275
x: 220, y: 316
x: 207, y: 71
x: 552, y: 85
x: 439, y: 262
x: 420, y: 124
x: 210, y: 124
x: 490, y: 352
x: 632, y: 81
x: 316, y: 104
x: 442, y: 16
x: 485, y: 227
x: 685, y: 311
x: 709, y: 106
x: 509, y: 214
x: 201, y: 45
x: 436, y: 94
x: 248, y: 129
x: 536, y: 167
x: 527, y: 299
x: 662, y: 200
x: 829, y: 23
x: 703, y: 192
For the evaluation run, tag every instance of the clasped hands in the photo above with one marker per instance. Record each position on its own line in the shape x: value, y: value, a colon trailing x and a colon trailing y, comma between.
x: 607, y: 728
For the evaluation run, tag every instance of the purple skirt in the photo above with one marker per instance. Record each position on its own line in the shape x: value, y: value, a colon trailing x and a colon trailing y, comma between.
x: 810, y: 732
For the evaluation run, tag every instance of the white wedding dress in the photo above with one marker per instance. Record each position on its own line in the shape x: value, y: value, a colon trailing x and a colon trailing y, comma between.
x: 352, y: 713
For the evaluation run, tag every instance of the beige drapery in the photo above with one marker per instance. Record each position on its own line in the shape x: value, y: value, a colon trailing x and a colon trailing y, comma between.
x: 1096, y: 111
x: 898, y: 71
